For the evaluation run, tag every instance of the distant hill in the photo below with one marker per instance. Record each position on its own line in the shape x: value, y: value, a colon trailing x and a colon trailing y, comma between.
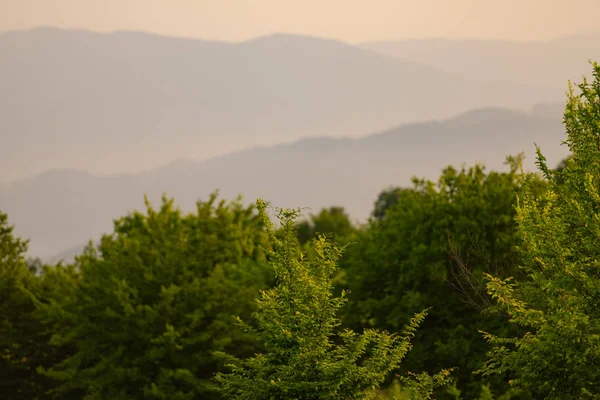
x: 549, y: 63
x: 130, y: 101
x: 64, y: 208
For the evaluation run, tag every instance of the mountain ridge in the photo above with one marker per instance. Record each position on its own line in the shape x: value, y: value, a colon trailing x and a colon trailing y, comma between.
x: 133, y: 101
x: 548, y: 62
x: 568, y: 37
x: 496, y: 112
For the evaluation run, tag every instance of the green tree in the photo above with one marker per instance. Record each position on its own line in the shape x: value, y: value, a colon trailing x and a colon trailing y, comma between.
x: 23, y: 338
x: 431, y: 250
x: 17, y: 377
x: 155, y: 300
x: 558, y: 306
x: 306, y: 356
x: 559, y: 170
x: 386, y: 200
x: 333, y: 221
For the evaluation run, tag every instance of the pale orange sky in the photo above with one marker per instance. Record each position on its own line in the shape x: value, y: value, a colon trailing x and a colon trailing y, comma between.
x: 348, y: 20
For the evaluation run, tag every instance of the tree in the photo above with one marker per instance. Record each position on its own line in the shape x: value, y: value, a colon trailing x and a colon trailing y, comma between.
x: 560, y: 168
x: 306, y: 356
x: 403, y: 263
x: 558, y: 305
x: 333, y: 221
x: 385, y: 200
x: 17, y: 377
x: 154, y: 302
x: 23, y: 338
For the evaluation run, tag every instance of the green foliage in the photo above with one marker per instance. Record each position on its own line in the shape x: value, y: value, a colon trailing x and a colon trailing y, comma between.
x: 307, y: 356
x: 155, y: 301
x: 431, y: 250
x: 422, y: 386
x: 385, y: 200
x: 23, y: 338
x: 559, y: 170
x: 333, y: 221
x: 558, y: 305
x: 16, y: 317
x: 335, y: 224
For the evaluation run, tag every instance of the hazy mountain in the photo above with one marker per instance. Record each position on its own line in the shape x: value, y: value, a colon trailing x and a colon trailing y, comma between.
x: 60, y: 209
x: 130, y: 101
x: 550, y: 63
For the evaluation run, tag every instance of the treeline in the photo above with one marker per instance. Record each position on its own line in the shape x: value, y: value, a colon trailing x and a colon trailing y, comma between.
x: 481, y: 285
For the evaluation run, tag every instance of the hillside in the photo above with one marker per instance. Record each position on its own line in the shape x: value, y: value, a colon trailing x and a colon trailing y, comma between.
x: 131, y: 101
x: 64, y: 208
x: 550, y: 63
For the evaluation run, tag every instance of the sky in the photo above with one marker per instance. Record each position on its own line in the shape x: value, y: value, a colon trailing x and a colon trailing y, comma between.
x: 352, y: 21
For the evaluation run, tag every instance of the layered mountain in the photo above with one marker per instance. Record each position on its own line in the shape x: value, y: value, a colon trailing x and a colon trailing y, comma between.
x: 130, y: 101
x: 63, y: 208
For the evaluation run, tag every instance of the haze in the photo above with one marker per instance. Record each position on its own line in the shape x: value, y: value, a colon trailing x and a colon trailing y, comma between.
x: 352, y: 21
x: 312, y: 103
